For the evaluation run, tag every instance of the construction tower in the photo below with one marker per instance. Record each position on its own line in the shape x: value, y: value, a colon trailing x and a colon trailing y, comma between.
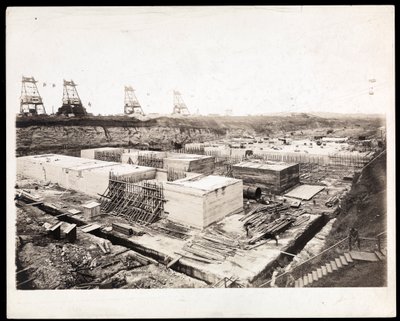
x: 31, y: 101
x: 179, y: 105
x: 132, y: 105
x: 72, y: 103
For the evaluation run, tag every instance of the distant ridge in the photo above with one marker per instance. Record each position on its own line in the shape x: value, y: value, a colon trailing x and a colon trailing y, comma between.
x: 343, y: 115
x: 322, y: 114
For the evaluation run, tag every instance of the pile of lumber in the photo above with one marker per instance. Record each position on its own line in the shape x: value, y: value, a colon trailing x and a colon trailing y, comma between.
x: 172, y: 230
x: 264, y: 221
x: 211, y: 247
x: 332, y: 200
x: 301, y: 219
x: 270, y: 229
x: 262, y: 214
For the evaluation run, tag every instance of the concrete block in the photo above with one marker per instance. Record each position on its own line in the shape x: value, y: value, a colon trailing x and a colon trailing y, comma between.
x: 70, y: 233
x: 201, y: 201
x: 273, y: 176
x: 91, y: 210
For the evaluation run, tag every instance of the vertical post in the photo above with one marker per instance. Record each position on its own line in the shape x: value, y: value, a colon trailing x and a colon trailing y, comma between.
x: 379, y: 243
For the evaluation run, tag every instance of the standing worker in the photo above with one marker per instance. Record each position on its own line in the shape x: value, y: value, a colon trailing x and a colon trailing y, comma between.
x: 276, y: 238
x: 354, y: 238
x: 247, y: 230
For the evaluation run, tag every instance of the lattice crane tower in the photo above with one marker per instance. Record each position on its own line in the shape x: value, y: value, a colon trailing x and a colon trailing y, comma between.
x: 31, y: 101
x: 179, y: 105
x: 131, y: 105
x: 71, y: 102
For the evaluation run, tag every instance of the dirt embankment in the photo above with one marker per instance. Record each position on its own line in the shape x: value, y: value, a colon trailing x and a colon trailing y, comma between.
x: 45, y: 263
x: 364, y: 209
x: 45, y: 134
x: 365, y: 205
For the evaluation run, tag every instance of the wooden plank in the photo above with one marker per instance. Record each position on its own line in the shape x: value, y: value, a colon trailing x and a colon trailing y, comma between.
x: 364, y: 256
x: 343, y: 260
x: 194, y: 258
x: 310, y: 278
x: 174, y: 261
x: 348, y: 257
x: 324, y: 270
x: 102, y: 248
x: 90, y: 228
x: 379, y: 255
x: 338, y: 263
x: 305, y: 280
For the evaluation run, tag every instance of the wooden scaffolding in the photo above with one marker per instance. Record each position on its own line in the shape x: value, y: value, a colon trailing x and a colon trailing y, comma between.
x: 138, y: 202
x: 150, y: 161
x: 109, y: 156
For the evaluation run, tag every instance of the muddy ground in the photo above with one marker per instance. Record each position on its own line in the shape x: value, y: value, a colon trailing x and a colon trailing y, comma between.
x: 47, y: 263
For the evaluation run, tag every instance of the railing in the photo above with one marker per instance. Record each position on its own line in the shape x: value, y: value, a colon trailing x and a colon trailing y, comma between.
x: 302, y: 264
x: 377, y: 241
x: 306, y: 266
x: 227, y: 283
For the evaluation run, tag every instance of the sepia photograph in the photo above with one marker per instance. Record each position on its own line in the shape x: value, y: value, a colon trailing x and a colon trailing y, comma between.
x: 184, y: 161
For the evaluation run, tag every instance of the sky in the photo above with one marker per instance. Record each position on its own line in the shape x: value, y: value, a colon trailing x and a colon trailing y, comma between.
x: 253, y: 60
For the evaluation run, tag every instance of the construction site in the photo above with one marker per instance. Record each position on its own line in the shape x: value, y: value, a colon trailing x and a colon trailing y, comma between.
x: 227, y: 206
x: 200, y: 161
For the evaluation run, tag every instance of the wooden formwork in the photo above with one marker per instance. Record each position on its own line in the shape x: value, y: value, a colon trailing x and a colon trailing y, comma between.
x: 139, y: 202
x: 150, y: 161
x: 109, y: 156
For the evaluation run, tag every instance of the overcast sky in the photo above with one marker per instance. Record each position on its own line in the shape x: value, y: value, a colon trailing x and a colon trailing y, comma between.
x: 249, y: 59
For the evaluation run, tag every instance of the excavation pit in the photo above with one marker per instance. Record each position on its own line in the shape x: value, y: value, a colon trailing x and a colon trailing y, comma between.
x: 246, y: 265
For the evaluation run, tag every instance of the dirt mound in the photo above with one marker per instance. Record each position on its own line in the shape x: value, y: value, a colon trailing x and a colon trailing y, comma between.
x: 365, y: 205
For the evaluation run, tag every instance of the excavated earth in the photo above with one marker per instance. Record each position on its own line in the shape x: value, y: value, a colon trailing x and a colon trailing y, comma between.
x: 47, y: 263
x: 45, y: 134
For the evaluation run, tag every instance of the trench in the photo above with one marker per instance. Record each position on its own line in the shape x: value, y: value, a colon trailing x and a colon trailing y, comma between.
x: 22, y: 276
x: 293, y: 247
x: 118, y: 240
x: 282, y: 260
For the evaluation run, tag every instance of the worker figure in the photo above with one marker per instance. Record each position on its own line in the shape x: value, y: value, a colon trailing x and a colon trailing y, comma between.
x: 314, y: 202
x: 247, y: 204
x: 276, y: 238
x: 247, y: 230
x: 354, y: 238
x: 290, y: 281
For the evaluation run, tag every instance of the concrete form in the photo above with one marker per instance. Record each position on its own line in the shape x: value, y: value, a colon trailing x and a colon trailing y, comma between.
x: 273, y: 176
x: 190, y: 163
x: 133, y: 155
x: 91, y: 210
x: 305, y: 192
x: 85, y: 175
x: 175, y: 161
x: 201, y: 201
x: 89, y: 153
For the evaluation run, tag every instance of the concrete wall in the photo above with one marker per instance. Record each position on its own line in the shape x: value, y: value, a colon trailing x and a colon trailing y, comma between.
x: 222, y: 202
x: 273, y: 180
x: 184, y: 205
x: 133, y: 155
x: 89, y: 153
x: 267, y: 179
x: 190, y: 163
x: 181, y: 165
x: 202, y: 165
x: 199, y: 208
x: 83, y: 175
x: 289, y: 177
